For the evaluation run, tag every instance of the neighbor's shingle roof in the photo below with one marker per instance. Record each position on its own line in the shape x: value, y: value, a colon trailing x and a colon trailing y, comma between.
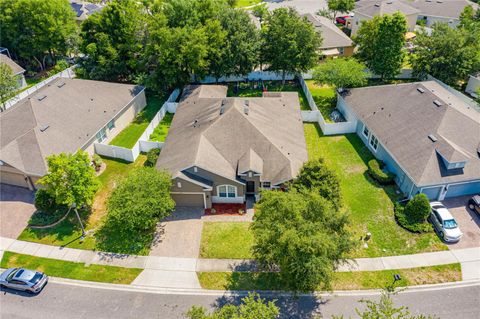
x: 16, y: 69
x: 402, y: 118
x: 375, y: 8
x: 443, y: 8
x: 269, y: 139
x: 332, y: 36
x: 74, y: 111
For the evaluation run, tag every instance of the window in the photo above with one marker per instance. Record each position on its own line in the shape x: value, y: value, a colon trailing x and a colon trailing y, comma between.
x: 373, y: 142
x: 179, y: 185
x: 111, y: 125
x: 341, y: 50
x: 266, y: 185
x: 366, y: 131
x: 250, y: 174
x: 227, y: 191
x: 195, y: 169
x: 102, y: 135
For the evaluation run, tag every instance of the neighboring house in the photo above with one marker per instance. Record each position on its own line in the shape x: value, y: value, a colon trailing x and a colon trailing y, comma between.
x: 448, y: 11
x: 473, y: 85
x: 425, y: 134
x: 17, y: 70
x: 335, y: 41
x: 367, y: 9
x: 64, y: 116
x: 221, y: 149
x: 84, y: 9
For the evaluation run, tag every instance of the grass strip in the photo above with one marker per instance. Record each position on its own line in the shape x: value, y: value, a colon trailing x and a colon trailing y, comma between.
x: 72, y: 270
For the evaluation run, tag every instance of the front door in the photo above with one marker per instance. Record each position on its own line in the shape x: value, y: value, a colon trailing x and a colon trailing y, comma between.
x: 250, y: 187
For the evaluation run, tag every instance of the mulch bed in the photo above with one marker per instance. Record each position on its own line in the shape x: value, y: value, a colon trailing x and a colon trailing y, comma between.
x: 226, y: 209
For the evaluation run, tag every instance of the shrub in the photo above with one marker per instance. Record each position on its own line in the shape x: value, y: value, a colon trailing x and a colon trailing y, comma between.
x: 418, y: 208
x: 97, y: 162
x: 375, y: 169
x: 44, y: 202
x: 408, y: 223
x: 40, y: 218
x: 152, y: 157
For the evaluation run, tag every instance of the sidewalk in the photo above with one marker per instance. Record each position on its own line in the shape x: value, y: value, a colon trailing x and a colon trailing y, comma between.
x: 176, y: 272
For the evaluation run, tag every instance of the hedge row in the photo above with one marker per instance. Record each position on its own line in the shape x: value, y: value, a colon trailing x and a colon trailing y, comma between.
x: 375, y: 170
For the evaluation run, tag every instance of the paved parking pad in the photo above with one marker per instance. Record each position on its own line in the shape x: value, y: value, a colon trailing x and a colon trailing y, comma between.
x: 468, y: 221
x: 16, y: 208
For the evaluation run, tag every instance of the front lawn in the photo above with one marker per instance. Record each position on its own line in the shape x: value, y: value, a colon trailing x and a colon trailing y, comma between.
x: 130, y: 135
x: 72, y: 270
x: 159, y: 134
x: 248, y: 90
x: 68, y: 232
x: 343, y: 280
x: 370, y: 205
x: 226, y: 240
x: 325, y: 98
x: 246, y: 3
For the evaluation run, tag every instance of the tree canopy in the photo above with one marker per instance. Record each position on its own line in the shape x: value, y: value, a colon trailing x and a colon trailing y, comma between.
x: 336, y: 6
x: 251, y: 307
x: 380, y: 44
x: 448, y: 54
x: 290, y: 42
x: 37, y: 30
x: 302, y: 235
x: 8, y: 85
x: 341, y: 73
x: 70, y: 179
x: 134, y: 208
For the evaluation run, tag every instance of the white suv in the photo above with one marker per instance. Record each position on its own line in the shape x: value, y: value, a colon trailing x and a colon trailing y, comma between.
x: 444, y: 223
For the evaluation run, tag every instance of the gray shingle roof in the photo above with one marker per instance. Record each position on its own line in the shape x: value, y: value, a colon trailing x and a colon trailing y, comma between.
x: 402, y: 118
x: 441, y: 8
x: 16, y: 69
x: 332, y: 36
x: 69, y: 116
x: 269, y: 138
x: 375, y: 8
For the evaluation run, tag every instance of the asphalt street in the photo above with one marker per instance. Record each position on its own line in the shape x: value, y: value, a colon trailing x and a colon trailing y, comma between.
x: 64, y: 300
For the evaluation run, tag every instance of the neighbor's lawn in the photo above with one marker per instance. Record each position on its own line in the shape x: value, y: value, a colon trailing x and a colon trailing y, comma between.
x: 72, y: 270
x: 325, y: 98
x: 226, y: 240
x: 272, y: 86
x: 246, y: 3
x: 68, y: 232
x: 130, y: 135
x: 370, y: 206
x: 343, y: 280
x: 159, y: 134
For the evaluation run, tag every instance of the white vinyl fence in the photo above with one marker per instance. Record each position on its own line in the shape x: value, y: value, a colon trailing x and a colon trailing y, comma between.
x: 67, y: 73
x: 143, y: 144
x: 252, y: 76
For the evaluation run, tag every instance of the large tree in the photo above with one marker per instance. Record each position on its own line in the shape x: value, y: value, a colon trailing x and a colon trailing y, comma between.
x: 380, y: 44
x: 181, y: 13
x: 8, y: 85
x: 36, y: 31
x: 135, y: 207
x: 448, y: 54
x: 290, y: 42
x: 70, y: 179
x: 251, y: 307
x: 336, y: 6
x: 302, y: 235
x: 341, y: 73
x: 113, y: 41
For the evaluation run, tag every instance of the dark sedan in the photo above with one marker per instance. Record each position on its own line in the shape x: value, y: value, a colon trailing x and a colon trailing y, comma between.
x: 474, y: 204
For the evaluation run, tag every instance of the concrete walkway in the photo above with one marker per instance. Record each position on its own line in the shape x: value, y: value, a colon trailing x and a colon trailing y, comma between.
x: 173, y: 272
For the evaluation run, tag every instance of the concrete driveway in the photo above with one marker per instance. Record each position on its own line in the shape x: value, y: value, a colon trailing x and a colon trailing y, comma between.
x: 16, y: 208
x: 179, y: 235
x: 468, y: 221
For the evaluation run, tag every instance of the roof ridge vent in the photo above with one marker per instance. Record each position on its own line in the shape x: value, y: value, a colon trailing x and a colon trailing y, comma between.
x: 44, y: 128
x: 421, y: 90
x: 432, y: 138
x: 41, y: 97
x: 437, y: 102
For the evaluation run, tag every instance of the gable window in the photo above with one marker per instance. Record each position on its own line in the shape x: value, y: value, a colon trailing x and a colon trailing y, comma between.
x: 373, y: 142
x: 102, y: 135
x: 111, y: 125
x: 227, y: 191
x: 266, y: 185
x: 179, y: 185
x: 366, y: 131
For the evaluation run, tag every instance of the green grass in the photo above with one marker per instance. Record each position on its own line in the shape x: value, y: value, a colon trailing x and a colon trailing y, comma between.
x: 72, y: 270
x: 159, y: 134
x: 68, y: 232
x: 246, y: 3
x: 226, y: 240
x: 370, y: 205
x: 130, y: 135
x: 343, y: 280
x: 325, y: 98
x: 272, y: 86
